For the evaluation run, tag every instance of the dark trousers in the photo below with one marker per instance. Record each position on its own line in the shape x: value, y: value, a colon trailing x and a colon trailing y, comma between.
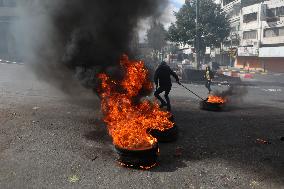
x: 167, y: 91
x: 208, y: 85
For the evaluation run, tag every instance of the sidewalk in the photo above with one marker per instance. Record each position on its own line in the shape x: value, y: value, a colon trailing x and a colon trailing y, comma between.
x: 247, y: 74
x: 255, y: 77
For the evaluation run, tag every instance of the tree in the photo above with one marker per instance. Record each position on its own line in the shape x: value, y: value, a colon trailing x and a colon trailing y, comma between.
x: 213, y: 28
x: 156, y: 37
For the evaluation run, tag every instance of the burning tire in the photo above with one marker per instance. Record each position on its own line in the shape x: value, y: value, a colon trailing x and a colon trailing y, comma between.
x: 168, y: 135
x: 138, y: 159
x: 213, y: 103
x: 205, y: 105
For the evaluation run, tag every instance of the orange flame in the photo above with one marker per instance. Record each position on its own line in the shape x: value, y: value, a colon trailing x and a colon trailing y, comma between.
x: 128, y: 122
x: 216, y: 99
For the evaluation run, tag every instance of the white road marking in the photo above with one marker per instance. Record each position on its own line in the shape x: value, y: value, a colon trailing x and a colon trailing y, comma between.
x: 272, y: 90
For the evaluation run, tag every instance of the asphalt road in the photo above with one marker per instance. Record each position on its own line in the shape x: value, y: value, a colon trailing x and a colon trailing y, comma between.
x: 49, y: 140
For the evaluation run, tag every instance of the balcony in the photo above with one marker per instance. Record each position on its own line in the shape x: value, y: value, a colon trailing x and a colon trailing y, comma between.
x: 231, y: 5
x: 273, y: 40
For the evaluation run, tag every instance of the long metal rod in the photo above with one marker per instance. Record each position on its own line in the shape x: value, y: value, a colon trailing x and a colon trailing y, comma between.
x: 193, y: 92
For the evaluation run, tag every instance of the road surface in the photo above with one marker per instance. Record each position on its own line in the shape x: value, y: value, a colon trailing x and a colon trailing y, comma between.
x: 49, y: 140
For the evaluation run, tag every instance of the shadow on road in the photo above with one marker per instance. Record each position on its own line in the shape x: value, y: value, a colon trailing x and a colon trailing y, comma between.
x: 99, y: 135
x: 231, y: 137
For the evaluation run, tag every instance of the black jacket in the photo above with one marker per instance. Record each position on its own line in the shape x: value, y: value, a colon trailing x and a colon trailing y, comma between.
x: 163, y: 76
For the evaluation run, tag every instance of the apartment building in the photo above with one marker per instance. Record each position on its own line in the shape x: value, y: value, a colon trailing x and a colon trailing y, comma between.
x: 229, y: 48
x: 262, y: 36
x: 7, y: 16
x: 233, y: 10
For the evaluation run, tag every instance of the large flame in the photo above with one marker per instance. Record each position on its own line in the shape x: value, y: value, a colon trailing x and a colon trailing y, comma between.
x: 216, y: 99
x: 129, y: 120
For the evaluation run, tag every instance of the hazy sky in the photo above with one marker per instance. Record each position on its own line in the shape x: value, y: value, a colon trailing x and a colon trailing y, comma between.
x: 177, y: 3
x: 167, y: 18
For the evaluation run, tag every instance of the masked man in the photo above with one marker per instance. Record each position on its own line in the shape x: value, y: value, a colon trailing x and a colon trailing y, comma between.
x: 163, y: 83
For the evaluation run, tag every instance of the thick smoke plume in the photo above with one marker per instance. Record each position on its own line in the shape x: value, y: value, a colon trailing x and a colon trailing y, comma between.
x: 234, y: 94
x: 68, y: 42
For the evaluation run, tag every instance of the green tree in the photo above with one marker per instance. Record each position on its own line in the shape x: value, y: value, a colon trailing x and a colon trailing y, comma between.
x: 213, y: 25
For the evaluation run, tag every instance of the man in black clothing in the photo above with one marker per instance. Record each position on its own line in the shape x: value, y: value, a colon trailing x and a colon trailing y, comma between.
x: 163, y: 83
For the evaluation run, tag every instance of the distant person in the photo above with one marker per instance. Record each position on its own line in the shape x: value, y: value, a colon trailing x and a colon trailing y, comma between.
x: 208, y: 76
x: 163, y: 83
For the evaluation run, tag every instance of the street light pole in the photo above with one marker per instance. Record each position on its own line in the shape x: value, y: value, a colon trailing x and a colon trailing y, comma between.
x: 197, y: 36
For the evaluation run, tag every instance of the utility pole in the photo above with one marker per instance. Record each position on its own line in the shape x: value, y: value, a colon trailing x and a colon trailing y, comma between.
x: 230, y: 51
x: 197, y: 42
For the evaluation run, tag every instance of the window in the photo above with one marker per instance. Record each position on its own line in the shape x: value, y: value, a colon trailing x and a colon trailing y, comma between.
x: 270, y: 13
x: 250, y: 17
x: 274, y: 32
x: 281, y: 31
x: 274, y: 12
x: 250, y: 34
x: 280, y: 11
x: 271, y: 32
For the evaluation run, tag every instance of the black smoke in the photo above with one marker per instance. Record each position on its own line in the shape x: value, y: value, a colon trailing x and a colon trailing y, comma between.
x: 234, y: 94
x: 68, y: 42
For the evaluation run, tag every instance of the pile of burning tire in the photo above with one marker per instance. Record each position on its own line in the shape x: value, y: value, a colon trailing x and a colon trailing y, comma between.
x: 136, y: 126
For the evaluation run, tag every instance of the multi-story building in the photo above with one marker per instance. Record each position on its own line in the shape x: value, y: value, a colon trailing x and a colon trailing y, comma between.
x: 233, y: 9
x: 7, y: 16
x: 262, y: 36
